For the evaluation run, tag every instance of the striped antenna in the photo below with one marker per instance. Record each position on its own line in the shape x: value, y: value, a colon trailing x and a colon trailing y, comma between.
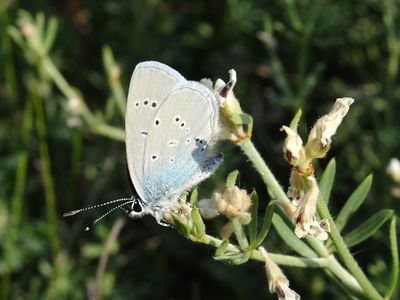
x: 74, y: 212
x: 130, y: 200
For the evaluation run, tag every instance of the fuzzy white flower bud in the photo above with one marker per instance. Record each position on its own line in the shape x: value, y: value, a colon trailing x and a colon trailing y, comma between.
x: 293, y: 146
x: 320, y: 135
x: 207, y: 209
x: 393, y: 169
x: 277, y: 281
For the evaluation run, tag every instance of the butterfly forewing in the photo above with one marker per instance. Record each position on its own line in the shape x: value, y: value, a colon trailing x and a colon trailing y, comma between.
x: 151, y: 82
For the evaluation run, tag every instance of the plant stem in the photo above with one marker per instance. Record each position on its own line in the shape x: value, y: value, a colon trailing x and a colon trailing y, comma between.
x: 273, y: 185
x: 105, y: 253
x: 239, y: 233
x: 269, y: 179
x: 395, y: 259
x: 329, y: 263
x: 347, y: 258
x: 15, y: 214
x: 46, y: 174
x: 113, y: 74
x: 109, y: 131
x: 334, y: 266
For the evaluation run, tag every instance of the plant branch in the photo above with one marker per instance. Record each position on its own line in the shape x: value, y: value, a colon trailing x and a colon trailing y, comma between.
x: 258, y: 162
x: 346, y: 256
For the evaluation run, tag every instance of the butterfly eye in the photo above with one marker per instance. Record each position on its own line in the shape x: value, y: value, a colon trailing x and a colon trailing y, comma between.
x: 137, y: 207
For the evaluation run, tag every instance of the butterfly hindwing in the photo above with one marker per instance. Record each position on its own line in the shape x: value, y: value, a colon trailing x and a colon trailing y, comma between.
x: 179, y: 138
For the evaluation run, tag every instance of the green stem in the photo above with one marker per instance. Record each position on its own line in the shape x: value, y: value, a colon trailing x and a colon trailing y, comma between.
x: 69, y: 92
x: 6, y: 49
x: 395, y: 259
x: 258, y: 162
x: 46, y: 174
x: 329, y: 263
x: 239, y: 233
x: 109, y: 131
x: 15, y: 214
x: 347, y: 258
x: 393, y: 44
x: 105, y: 253
x: 113, y: 72
x: 273, y: 185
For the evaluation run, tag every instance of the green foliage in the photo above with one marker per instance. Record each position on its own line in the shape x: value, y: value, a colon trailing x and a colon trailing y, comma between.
x: 285, y: 231
x: 354, y: 202
x: 368, y: 228
x: 53, y: 159
x: 327, y: 180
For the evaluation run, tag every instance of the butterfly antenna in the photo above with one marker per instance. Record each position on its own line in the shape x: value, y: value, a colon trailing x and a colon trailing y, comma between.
x: 74, y: 212
x: 107, y: 213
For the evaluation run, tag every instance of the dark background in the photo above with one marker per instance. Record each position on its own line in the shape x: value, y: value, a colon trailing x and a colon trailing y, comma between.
x: 287, y: 54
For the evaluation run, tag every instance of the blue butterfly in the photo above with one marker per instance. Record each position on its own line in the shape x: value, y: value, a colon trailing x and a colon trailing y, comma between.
x: 171, y: 125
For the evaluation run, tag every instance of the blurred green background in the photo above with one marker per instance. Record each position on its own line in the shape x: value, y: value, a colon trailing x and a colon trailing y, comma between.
x: 288, y: 55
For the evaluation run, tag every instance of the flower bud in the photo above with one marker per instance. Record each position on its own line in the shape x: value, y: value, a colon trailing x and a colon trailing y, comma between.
x: 277, y: 281
x: 75, y: 106
x: 207, y: 209
x: 237, y: 125
x: 293, y: 146
x: 393, y: 169
x: 233, y: 202
x: 319, y: 139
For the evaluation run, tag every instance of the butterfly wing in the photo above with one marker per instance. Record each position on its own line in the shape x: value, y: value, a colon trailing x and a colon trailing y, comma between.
x: 178, y: 140
x: 151, y: 82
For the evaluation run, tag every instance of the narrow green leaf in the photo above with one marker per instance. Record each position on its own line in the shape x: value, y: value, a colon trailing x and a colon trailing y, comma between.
x: 269, y: 212
x: 249, y: 125
x: 254, y: 214
x: 310, y: 81
x: 279, y: 75
x: 241, y: 119
x: 368, y: 228
x: 194, y: 197
x: 286, y: 233
x: 230, y: 257
x: 295, y: 121
x: 16, y: 36
x: 221, y: 248
x: 180, y: 226
x: 40, y: 23
x: 327, y: 179
x: 183, y: 196
x: 394, y: 275
x: 231, y: 179
x: 242, y: 258
x: 353, y: 202
x: 198, y: 224
x: 108, y: 59
x: 51, y: 32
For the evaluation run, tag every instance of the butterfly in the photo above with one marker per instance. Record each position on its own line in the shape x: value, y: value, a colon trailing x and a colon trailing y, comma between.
x: 171, y: 125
